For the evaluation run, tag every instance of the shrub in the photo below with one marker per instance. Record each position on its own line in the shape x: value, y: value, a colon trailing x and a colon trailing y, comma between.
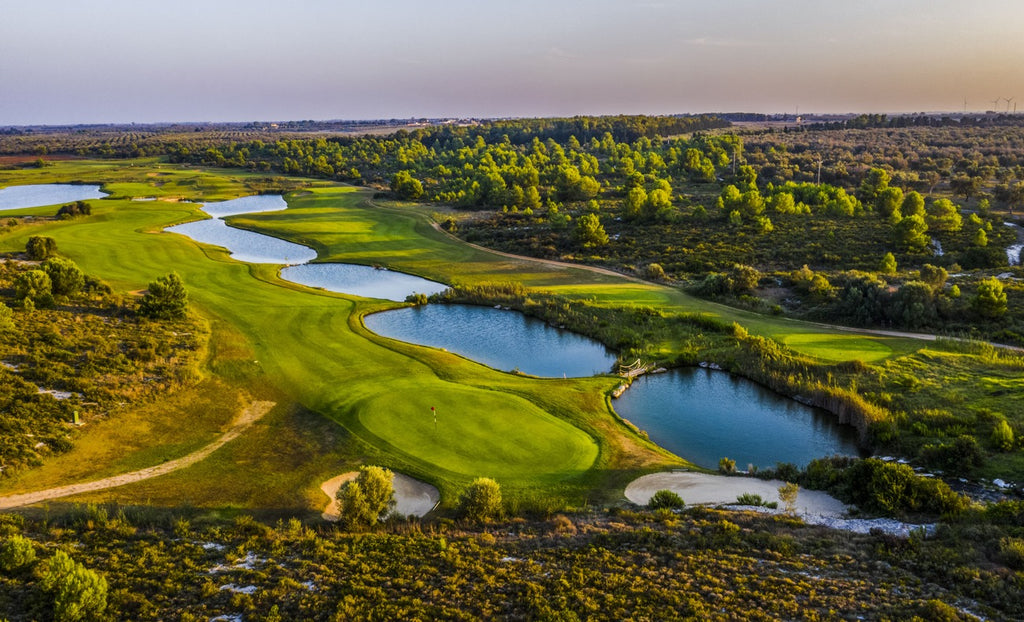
x: 481, y: 501
x: 34, y: 286
x: 1011, y: 550
x: 368, y: 499
x: 40, y: 247
x: 16, y: 553
x: 727, y: 465
x: 1002, y: 436
x: 665, y: 499
x: 66, y: 278
x: 165, y: 299
x: 78, y: 593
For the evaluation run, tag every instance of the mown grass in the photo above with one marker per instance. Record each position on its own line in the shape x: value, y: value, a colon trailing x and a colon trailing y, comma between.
x: 304, y: 350
x: 543, y: 439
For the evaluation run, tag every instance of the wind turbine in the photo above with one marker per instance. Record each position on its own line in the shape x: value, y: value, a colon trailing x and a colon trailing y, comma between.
x: 995, y: 104
x: 1008, y: 100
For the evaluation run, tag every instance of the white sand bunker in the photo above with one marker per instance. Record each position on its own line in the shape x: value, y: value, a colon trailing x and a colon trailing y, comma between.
x: 412, y: 497
x: 707, y: 489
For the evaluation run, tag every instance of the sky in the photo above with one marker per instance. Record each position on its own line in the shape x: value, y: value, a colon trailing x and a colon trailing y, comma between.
x: 143, y: 61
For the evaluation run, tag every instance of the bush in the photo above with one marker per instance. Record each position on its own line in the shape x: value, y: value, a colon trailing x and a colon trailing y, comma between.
x: 40, y: 247
x: 727, y: 465
x: 481, y: 501
x: 1002, y: 436
x: 66, y: 277
x: 165, y: 299
x: 665, y: 499
x: 34, y: 286
x: 16, y: 553
x: 368, y: 499
x: 78, y: 593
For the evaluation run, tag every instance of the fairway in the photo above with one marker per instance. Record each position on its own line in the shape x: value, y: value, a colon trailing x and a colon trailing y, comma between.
x: 294, y: 344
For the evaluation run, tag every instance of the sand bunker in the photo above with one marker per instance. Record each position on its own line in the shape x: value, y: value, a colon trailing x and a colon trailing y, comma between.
x: 707, y: 489
x: 412, y: 497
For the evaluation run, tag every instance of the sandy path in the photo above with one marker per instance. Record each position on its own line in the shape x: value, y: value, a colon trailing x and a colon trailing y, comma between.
x: 703, y: 488
x: 246, y: 418
x: 412, y: 497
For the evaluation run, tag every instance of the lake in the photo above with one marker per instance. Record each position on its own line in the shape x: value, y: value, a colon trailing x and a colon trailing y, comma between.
x: 37, y: 195
x: 703, y: 415
x: 247, y: 246
x: 505, y: 340
x: 365, y: 281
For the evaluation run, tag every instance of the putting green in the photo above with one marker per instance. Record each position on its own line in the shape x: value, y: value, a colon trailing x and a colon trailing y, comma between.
x: 831, y: 347
x: 478, y: 432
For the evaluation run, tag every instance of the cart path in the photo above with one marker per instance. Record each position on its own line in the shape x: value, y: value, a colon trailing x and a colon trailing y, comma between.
x: 245, y: 419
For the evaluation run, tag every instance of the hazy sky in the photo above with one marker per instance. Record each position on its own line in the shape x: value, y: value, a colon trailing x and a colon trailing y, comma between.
x: 75, y: 61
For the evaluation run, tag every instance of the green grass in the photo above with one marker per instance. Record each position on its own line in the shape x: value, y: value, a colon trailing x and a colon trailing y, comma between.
x: 308, y: 348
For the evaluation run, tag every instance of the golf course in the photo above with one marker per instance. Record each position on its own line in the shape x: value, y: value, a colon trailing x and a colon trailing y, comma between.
x: 345, y: 396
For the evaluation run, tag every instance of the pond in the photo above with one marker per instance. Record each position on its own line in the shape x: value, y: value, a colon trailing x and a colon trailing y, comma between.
x: 505, y: 340
x: 245, y: 245
x: 704, y: 415
x: 246, y: 205
x: 365, y: 281
x: 36, y: 195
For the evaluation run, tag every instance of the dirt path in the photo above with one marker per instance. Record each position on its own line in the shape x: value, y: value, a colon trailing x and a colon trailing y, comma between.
x: 246, y: 418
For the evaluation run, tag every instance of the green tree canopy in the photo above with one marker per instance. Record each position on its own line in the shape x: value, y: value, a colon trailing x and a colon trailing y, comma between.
x: 165, y: 299
x: 481, y: 501
x: 66, y: 277
x: 990, y: 299
x: 40, y: 247
x: 911, y: 233
x: 367, y: 499
x: 590, y: 232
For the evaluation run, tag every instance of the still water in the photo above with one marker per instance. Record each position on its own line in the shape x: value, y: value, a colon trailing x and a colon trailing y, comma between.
x: 703, y: 415
x: 17, y: 197
x: 505, y: 340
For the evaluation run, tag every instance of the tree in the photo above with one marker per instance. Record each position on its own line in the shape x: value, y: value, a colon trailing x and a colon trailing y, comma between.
x: 406, y: 186
x: 590, y: 232
x: 665, y: 499
x: 990, y: 299
x: 944, y: 215
x: 78, y: 593
x: 481, y: 501
x: 913, y: 305
x: 888, y: 203
x: 165, y: 299
x: 368, y: 499
x: 874, y: 183
x: 34, y: 286
x: 635, y: 200
x: 66, y: 277
x: 980, y: 238
x: 913, y: 204
x: 40, y: 247
x: 888, y: 265
x: 788, y: 493
x: 934, y: 276
x: 911, y: 233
